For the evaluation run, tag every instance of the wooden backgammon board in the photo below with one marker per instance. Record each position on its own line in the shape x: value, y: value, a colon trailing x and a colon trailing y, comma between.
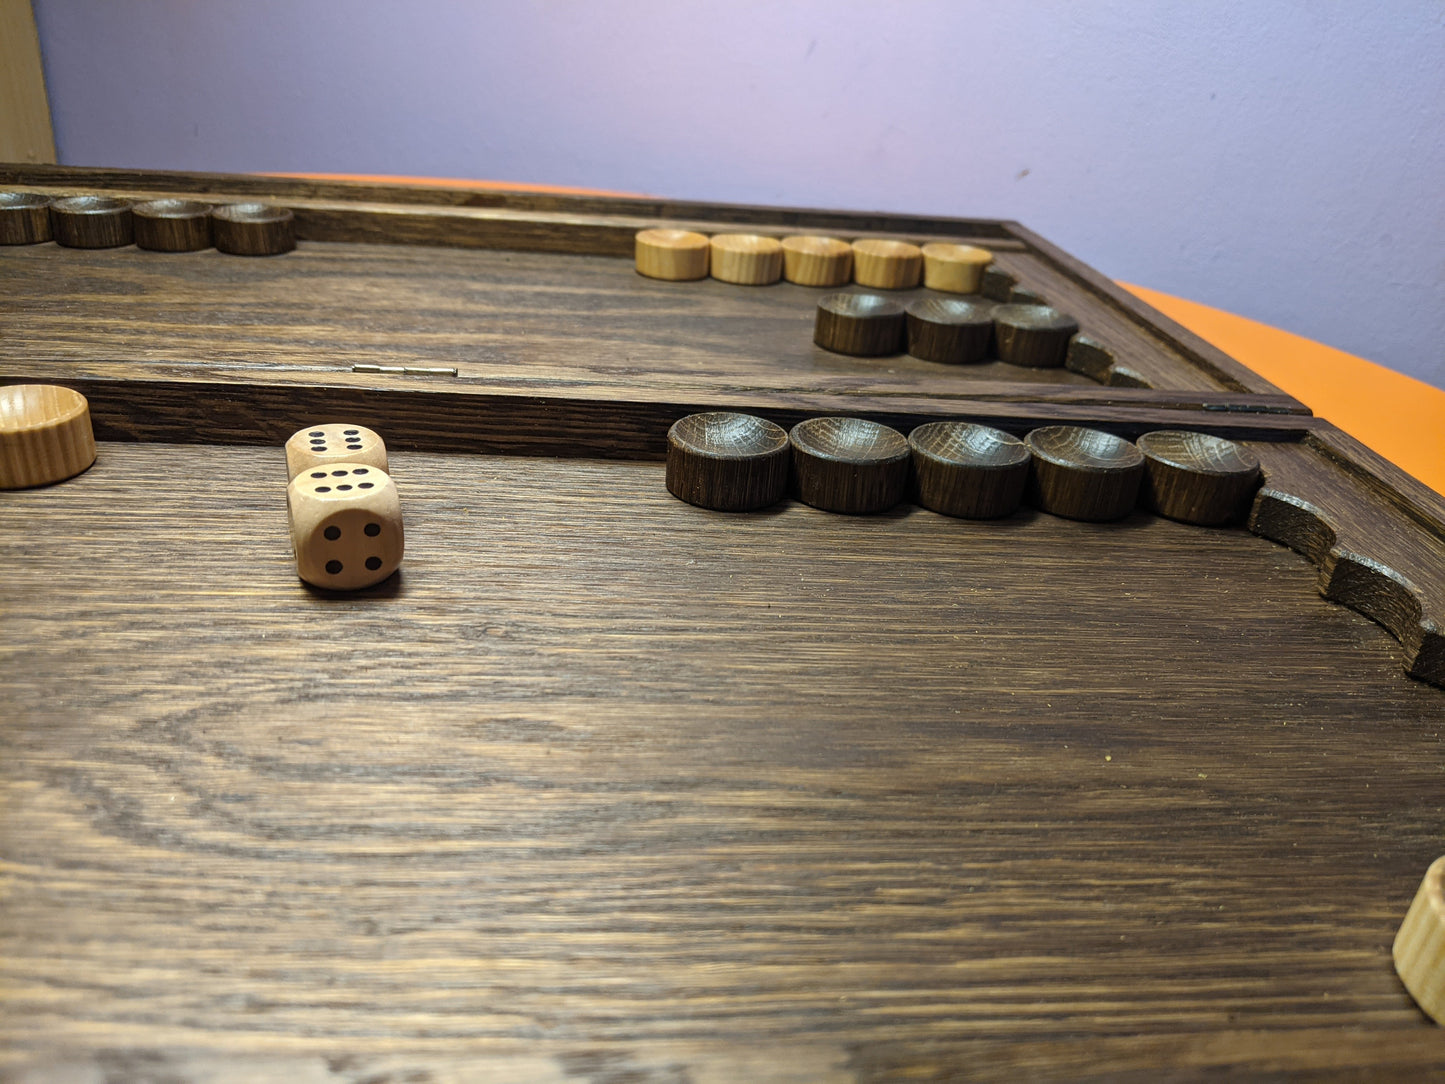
x: 602, y: 785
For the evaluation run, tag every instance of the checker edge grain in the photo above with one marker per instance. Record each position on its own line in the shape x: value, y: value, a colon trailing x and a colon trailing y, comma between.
x: 92, y: 222
x: 817, y: 261
x: 671, y: 255
x: 1197, y: 478
x: 862, y: 325
x: 1083, y: 473
x: 172, y: 225
x: 849, y: 465
x: 746, y: 259
x: 24, y: 218
x: 253, y: 229
x: 727, y: 461
x: 967, y: 470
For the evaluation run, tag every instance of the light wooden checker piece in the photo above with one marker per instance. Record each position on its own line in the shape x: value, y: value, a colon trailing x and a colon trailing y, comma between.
x: 672, y: 255
x: 45, y: 435
x: 887, y: 265
x: 747, y: 259
x: 954, y: 269
x: 1419, y: 948
x: 817, y: 261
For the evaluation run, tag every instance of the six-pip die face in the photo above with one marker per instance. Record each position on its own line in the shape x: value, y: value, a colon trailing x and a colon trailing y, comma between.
x: 334, y: 442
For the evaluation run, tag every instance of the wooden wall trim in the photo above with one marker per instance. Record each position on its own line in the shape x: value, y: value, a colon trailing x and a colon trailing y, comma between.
x: 25, y: 131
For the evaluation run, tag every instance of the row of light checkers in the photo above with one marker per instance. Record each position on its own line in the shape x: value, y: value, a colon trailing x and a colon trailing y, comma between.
x: 952, y: 330
x: 162, y: 225
x: 735, y: 462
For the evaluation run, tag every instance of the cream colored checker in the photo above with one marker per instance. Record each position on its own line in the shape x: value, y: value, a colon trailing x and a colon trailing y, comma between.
x: 345, y: 525
x: 334, y: 442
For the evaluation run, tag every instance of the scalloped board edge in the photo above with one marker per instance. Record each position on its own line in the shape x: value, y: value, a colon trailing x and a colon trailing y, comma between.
x: 1362, y: 583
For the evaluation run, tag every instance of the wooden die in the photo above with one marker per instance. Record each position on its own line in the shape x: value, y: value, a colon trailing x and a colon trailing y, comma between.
x: 334, y: 442
x: 345, y: 525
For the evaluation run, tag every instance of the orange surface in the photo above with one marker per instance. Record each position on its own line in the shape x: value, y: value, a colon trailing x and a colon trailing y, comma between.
x: 1398, y: 416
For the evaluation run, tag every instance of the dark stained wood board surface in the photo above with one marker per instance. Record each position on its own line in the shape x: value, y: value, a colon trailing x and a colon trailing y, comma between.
x: 517, y: 320
x: 212, y: 404
x: 608, y: 787
x: 1154, y: 349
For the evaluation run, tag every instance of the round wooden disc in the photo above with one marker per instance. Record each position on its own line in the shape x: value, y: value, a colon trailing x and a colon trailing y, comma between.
x: 1419, y: 948
x: 1197, y: 478
x: 747, y: 259
x: 172, y: 225
x: 817, y: 261
x: 728, y: 462
x: 954, y: 269
x: 673, y: 255
x: 45, y: 435
x: 887, y: 265
x: 1033, y: 335
x: 253, y: 229
x: 1083, y: 473
x: 849, y: 464
x: 863, y: 325
x: 974, y: 471
x: 949, y: 329
x: 91, y: 222
x: 24, y: 218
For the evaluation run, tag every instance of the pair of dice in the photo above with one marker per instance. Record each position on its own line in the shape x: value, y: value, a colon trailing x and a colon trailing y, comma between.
x: 342, y: 506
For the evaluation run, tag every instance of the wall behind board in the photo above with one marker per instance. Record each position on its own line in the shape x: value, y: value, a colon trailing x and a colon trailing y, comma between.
x: 1283, y: 160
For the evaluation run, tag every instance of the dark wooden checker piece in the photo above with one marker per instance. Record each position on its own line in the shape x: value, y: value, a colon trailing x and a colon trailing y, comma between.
x: 863, y: 325
x: 726, y: 461
x: 1035, y: 336
x: 172, y: 225
x: 949, y: 330
x: 92, y: 222
x: 967, y: 470
x: 1083, y: 473
x: 253, y: 229
x: 849, y: 464
x: 24, y: 218
x: 1197, y: 478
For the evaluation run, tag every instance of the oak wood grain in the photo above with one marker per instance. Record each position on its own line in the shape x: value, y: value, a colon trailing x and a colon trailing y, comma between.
x: 24, y: 218
x: 605, y: 786
x: 244, y: 405
x: 172, y: 225
x: 1372, y: 556
x: 1168, y: 356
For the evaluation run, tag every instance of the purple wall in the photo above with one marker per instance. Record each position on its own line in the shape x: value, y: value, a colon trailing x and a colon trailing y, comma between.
x: 1281, y: 160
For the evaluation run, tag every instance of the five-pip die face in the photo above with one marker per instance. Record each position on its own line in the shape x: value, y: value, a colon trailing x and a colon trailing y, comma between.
x: 345, y: 525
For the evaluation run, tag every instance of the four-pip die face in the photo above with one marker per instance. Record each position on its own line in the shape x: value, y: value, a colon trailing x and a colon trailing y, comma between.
x: 334, y: 442
x: 345, y: 525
